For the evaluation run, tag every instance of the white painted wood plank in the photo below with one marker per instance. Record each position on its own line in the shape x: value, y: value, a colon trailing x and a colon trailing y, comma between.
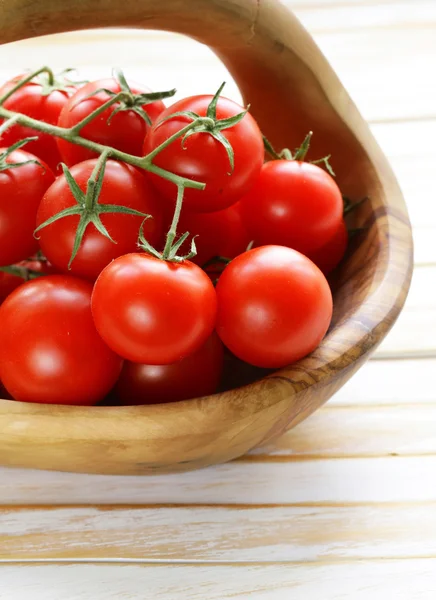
x: 399, y: 579
x: 412, y: 154
x: 358, y: 431
x: 230, y: 534
x: 337, y: 17
x: 337, y: 481
x: 389, y: 382
x: 414, y: 334
x: 424, y: 239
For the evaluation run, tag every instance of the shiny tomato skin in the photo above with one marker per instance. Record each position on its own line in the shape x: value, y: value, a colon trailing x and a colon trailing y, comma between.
x: 294, y: 204
x: 328, y: 257
x: 195, y: 376
x: 126, y: 130
x: 30, y: 101
x: 50, y: 351
x: 221, y: 233
x: 21, y: 191
x: 122, y: 185
x: 152, y: 311
x: 274, y: 306
x: 204, y: 159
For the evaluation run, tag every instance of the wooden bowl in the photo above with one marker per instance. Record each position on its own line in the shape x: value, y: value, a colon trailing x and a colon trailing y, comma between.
x: 291, y: 89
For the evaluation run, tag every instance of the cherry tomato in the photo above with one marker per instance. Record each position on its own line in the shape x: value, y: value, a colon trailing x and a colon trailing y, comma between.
x: 125, y: 131
x: 192, y: 377
x: 294, y: 204
x: 50, y: 351
x: 21, y: 190
x: 330, y: 255
x: 8, y: 283
x: 274, y: 306
x: 205, y: 159
x: 222, y: 233
x: 123, y: 185
x: 32, y: 101
x: 152, y: 311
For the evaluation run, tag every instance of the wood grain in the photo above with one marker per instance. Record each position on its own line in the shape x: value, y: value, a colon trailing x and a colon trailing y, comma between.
x: 275, y: 64
x: 399, y: 579
x: 213, y: 534
x: 389, y: 382
x: 339, y: 481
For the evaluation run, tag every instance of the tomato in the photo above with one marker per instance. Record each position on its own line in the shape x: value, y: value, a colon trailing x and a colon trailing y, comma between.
x: 294, y: 204
x: 50, y: 351
x: 8, y: 283
x: 330, y: 255
x: 222, y: 233
x: 21, y: 190
x: 152, y: 311
x: 205, y: 159
x: 125, y: 131
x: 32, y: 101
x: 192, y: 377
x: 274, y: 306
x: 122, y: 185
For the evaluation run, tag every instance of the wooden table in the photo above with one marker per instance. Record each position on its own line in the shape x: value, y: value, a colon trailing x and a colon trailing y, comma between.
x: 344, y: 506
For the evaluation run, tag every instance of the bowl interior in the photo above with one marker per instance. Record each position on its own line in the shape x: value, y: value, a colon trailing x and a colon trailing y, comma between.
x: 291, y: 90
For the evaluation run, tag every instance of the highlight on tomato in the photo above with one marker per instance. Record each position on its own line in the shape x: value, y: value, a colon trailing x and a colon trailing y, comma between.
x: 225, y: 151
x: 50, y: 351
x: 274, y: 306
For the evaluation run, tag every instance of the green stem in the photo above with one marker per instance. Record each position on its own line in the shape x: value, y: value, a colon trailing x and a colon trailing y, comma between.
x: 7, y: 124
x: 286, y: 154
x: 25, y: 80
x: 171, y: 235
x: 22, y: 272
x: 175, y: 136
x: 143, y: 162
x: 98, y: 111
x: 302, y: 151
x: 90, y: 198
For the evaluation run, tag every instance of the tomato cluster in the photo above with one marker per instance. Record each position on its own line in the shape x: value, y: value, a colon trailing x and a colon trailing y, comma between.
x: 102, y: 291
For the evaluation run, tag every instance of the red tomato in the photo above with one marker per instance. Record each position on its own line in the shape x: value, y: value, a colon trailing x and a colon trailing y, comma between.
x: 50, y: 351
x: 152, y: 311
x: 21, y: 190
x: 222, y: 233
x: 192, y: 377
x: 8, y: 283
x: 205, y: 159
x: 330, y: 255
x: 125, y: 131
x: 31, y: 101
x: 274, y: 306
x: 123, y: 185
x: 294, y: 204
